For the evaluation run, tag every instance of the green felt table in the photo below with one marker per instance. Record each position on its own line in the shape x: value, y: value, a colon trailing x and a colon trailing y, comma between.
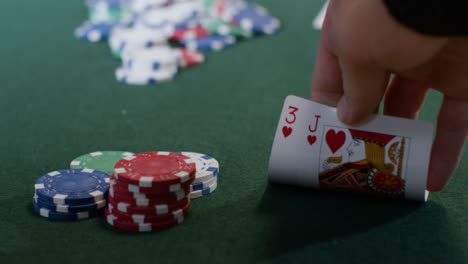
x: 59, y: 99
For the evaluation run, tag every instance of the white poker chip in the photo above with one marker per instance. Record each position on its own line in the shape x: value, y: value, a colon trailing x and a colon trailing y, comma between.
x: 207, y: 166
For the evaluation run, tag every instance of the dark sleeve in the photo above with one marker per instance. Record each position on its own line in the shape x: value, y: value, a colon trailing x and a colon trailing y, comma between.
x: 434, y: 17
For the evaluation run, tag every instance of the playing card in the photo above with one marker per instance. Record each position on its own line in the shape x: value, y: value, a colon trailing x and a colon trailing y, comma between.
x: 387, y: 156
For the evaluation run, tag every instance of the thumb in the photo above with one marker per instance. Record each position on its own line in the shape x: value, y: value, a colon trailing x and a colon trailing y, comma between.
x: 364, y: 85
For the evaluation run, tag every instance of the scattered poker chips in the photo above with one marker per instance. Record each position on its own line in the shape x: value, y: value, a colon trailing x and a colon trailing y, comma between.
x: 71, y: 194
x: 145, y: 192
x: 141, y: 27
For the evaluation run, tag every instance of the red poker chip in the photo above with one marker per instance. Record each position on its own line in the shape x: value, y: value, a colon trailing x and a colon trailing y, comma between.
x: 152, y: 209
x: 191, y: 58
x: 148, y: 169
x: 185, y: 34
x: 156, y: 189
x: 114, y: 221
x: 129, y: 196
x: 150, y: 218
x: 146, y: 203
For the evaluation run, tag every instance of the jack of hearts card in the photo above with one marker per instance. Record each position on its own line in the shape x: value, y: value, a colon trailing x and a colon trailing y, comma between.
x: 387, y: 156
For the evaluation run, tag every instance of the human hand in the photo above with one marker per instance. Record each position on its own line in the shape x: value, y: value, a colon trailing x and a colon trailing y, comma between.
x: 362, y: 45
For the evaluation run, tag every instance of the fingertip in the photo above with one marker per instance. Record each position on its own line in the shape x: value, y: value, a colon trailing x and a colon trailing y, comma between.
x: 351, y: 114
x: 344, y: 111
x: 436, y: 181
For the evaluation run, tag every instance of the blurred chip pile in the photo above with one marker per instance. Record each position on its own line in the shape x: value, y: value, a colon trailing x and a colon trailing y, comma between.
x: 156, y: 38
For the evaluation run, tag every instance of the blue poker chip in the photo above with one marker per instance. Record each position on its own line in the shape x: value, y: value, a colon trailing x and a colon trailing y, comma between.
x: 210, y: 43
x: 64, y: 208
x: 255, y: 19
x: 44, y: 212
x: 94, y: 32
x: 73, y: 186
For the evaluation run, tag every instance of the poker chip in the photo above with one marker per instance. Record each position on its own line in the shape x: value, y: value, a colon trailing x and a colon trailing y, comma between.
x: 156, y: 58
x: 99, y: 160
x: 164, y: 198
x: 146, y: 66
x: 206, y: 166
x: 143, y: 78
x: 250, y: 17
x: 152, y: 209
x: 150, y: 191
x: 98, y: 16
x: 73, y: 186
x: 204, y: 191
x: 210, y: 43
x: 255, y: 19
x: 149, y: 218
x: 186, y: 34
x: 223, y: 28
x: 191, y: 22
x: 179, y: 14
x: 154, y: 191
x: 44, y: 212
x: 129, y: 225
x: 197, y: 186
x: 158, y: 167
x: 138, y: 37
x: 146, y: 201
x: 63, y: 208
x: 190, y: 58
x: 104, y: 3
x: 139, y: 6
x: 94, y: 32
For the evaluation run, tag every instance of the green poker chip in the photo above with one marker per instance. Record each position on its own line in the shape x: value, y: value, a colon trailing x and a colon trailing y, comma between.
x: 99, y: 160
x: 223, y: 28
x: 208, y: 4
x: 107, y: 15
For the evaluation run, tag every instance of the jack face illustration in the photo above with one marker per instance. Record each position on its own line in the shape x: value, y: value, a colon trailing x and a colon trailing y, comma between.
x: 362, y: 161
x: 356, y: 150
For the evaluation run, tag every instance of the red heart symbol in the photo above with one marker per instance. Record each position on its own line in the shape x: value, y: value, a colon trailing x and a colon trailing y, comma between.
x: 335, y: 140
x: 287, y: 131
x: 311, y: 139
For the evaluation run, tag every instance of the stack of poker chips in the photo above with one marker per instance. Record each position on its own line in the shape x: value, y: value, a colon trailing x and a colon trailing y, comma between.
x: 71, y: 194
x: 82, y: 191
x: 155, y: 64
x: 150, y: 191
x: 134, y: 26
x: 206, y: 177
